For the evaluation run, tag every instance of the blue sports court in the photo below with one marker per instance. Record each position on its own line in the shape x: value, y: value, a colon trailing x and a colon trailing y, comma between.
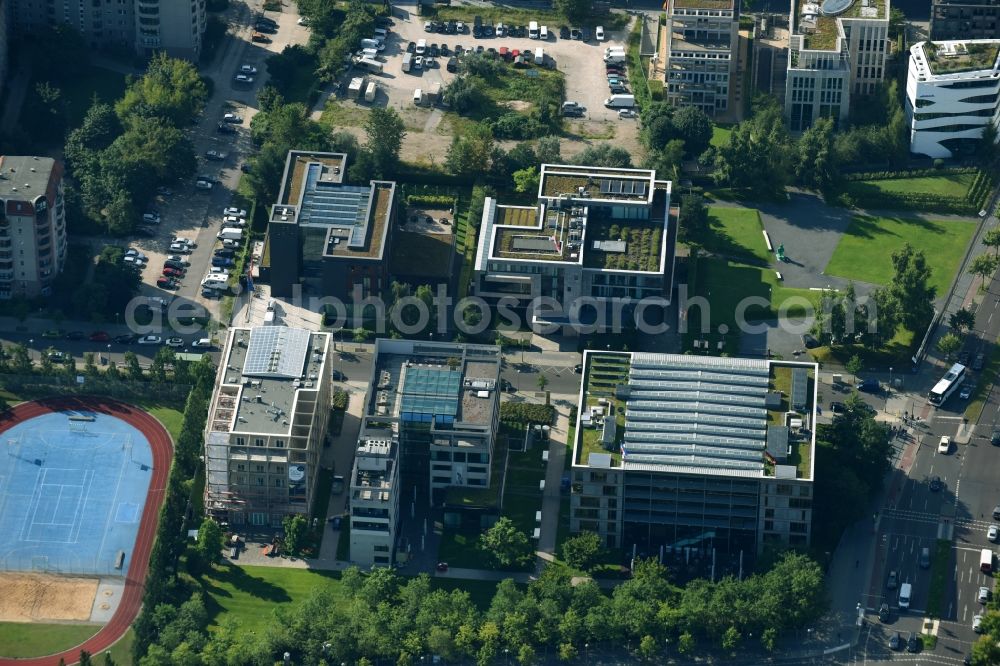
x: 72, y: 490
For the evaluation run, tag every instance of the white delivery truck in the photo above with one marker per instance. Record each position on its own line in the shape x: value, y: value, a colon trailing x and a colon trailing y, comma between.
x: 371, y: 91
x: 356, y: 86
x: 231, y: 233
x: 407, y: 61
x: 539, y: 56
x: 620, y: 102
x: 615, y: 58
x: 373, y: 66
x: 418, y: 97
x: 533, y: 30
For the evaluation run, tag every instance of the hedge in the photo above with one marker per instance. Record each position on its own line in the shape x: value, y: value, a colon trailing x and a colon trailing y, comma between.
x: 430, y: 200
x: 527, y: 413
x: 915, y: 173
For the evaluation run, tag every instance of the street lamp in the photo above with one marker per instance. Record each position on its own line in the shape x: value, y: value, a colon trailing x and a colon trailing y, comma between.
x: 31, y: 344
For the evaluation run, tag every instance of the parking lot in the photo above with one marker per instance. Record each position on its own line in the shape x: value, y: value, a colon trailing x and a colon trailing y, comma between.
x: 581, y: 62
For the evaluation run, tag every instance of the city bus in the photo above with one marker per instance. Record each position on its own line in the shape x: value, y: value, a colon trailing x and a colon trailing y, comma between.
x: 947, y: 385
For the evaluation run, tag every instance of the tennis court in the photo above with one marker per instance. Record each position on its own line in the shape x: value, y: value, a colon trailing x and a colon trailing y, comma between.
x: 73, y: 486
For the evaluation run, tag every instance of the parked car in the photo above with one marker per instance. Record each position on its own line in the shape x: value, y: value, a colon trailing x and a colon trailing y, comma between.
x: 984, y: 595
x: 977, y: 623
x: 224, y: 262
x: 564, y: 32
x: 176, y: 265
x: 243, y: 79
x: 164, y: 191
x: 599, y: 33
x: 232, y: 117
x: 868, y: 386
x: 892, y: 582
x: 411, y: 47
x: 179, y: 259
x: 896, y: 641
x: 202, y: 343
x: 627, y: 113
x: 247, y: 69
x: 150, y: 340
x: 52, y: 333
x: 151, y: 217
x: 126, y: 339
x: 215, y: 155
x: 99, y: 336
x: 978, y: 363
x: 224, y: 252
x: 185, y: 241
x: 913, y: 643
x: 175, y: 342
x: 56, y: 356
x: 172, y: 272
x: 883, y: 613
x: 838, y: 407
x: 966, y: 392
x: 203, y: 184
x: 180, y: 248
x: 936, y: 484
x: 223, y: 128
x: 232, y: 210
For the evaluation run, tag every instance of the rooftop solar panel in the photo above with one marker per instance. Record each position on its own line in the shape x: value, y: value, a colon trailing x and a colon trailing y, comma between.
x: 605, y: 187
x: 276, y: 351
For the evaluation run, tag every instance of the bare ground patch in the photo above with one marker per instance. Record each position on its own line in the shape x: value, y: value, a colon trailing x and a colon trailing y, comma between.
x: 31, y: 597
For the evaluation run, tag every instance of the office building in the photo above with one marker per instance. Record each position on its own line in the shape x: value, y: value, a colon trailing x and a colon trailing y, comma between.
x: 428, y: 427
x: 837, y: 52
x: 332, y: 237
x: 679, y: 453
x: 145, y: 26
x: 596, y: 236
x: 266, y: 425
x: 32, y: 226
x: 965, y: 19
x: 952, y: 95
x: 702, y: 41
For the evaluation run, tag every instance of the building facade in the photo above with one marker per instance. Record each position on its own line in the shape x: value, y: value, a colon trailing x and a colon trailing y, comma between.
x: 32, y: 226
x: 702, y: 39
x: 965, y: 19
x: 145, y: 26
x: 332, y: 237
x: 692, y: 454
x: 598, y: 239
x: 5, y: 21
x: 837, y: 51
x: 952, y: 95
x: 428, y: 427
x: 266, y: 425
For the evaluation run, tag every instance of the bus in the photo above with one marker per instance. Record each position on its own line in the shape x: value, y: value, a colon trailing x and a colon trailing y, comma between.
x: 947, y: 385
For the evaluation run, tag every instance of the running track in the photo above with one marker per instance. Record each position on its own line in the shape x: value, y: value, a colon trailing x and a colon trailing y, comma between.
x: 159, y: 442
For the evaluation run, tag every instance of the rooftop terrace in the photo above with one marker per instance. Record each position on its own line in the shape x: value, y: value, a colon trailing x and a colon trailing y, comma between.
x: 576, y: 182
x: 555, y: 240
x: 633, y: 245
x: 955, y: 57
x: 296, y: 169
x: 816, y: 20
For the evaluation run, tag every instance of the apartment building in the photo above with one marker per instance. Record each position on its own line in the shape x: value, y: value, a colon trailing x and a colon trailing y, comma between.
x: 32, y: 226
x: 332, y: 237
x: 428, y: 427
x: 146, y: 26
x: 837, y: 51
x: 680, y: 454
x: 266, y: 424
x: 952, y: 95
x: 5, y: 21
x: 965, y: 19
x: 702, y: 40
x: 598, y: 238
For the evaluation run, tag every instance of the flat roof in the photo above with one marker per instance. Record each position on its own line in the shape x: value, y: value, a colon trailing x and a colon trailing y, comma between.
x: 296, y: 164
x: 703, y: 4
x: 374, y: 466
x: 264, y: 370
x: 680, y: 413
x: 25, y: 177
x: 957, y: 56
x: 578, y: 183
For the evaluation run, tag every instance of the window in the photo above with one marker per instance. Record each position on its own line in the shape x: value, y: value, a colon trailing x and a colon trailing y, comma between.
x: 279, y: 443
x: 277, y: 483
x: 241, y: 441
x: 380, y: 548
x: 259, y: 441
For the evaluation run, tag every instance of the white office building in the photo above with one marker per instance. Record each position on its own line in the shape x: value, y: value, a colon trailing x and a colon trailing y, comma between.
x: 952, y: 94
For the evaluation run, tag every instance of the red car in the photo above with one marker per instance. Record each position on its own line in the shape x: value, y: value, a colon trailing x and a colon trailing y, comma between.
x: 172, y: 272
x: 99, y: 336
x: 167, y: 283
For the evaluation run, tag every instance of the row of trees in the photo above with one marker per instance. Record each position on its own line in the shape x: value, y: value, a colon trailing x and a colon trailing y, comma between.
x: 907, y: 301
x: 379, y: 615
x: 119, y: 155
x: 165, y: 367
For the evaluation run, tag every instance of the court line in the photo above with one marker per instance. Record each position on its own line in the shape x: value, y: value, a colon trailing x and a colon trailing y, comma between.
x: 112, y: 508
x: 77, y: 518
x: 35, y: 488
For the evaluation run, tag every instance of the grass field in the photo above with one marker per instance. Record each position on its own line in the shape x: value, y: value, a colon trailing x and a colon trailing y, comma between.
x: 720, y: 135
x: 18, y: 639
x: 728, y: 283
x: 171, y: 418
x: 955, y: 184
x: 736, y: 232
x: 424, y: 255
x: 865, y: 248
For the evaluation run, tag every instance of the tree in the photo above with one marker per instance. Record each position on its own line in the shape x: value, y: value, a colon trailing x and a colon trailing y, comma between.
x: 526, y: 655
x: 45, y: 112
x: 582, y: 551
x: 89, y: 366
x: 854, y: 366
x: 992, y: 239
x: 604, y: 155
x: 948, y: 344
x: 574, y: 10
x: 463, y: 94
x: 730, y: 639
x: 470, y: 154
x: 815, y: 164
x: 984, y: 266
x: 385, y: 131
x: 987, y: 148
x: 694, y: 216
x: 526, y: 180
x: 658, y: 126
x: 685, y: 643
x: 756, y: 155
x: 210, y: 539
x: 132, y: 366
x: 360, y: 334
x: 548, y: 150
x: 961, y: 320
x: 694, y: 127
x: 567, y: 652
x: 542, y: 382
x: 84, y: 658
x: 768, y: 638
x: 108, y: 660
x: 648, y: 647
x: 505, y: 543
x: 911, y: 288
x: 296, y: 532
x: 171, y: 88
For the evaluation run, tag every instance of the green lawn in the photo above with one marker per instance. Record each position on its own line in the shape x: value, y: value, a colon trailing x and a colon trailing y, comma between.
x: 865, y: 248
x: 19, y: 639
x: 955, y: 184
x: 521, y: 497
x: 725, y: 284
x: 424, y: 255
x: 171, y: 418
x: 720, y: 135
x: 736, y: 232
x: 121, y: 652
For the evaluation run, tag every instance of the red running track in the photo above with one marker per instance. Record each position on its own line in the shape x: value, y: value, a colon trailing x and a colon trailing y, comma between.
x: 162, y: 448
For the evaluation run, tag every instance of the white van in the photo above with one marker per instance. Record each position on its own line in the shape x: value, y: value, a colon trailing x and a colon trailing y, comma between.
x: 381, y: 34
x: 418, y: 97
x: 369, y: 53
x: 421, y: 47
x: 231, y: 234
x: 407, y: 61
x: 620, y: 102
x: 533, y: 30
x: 372, y: 44
x: 615, y: 58
x: 905, y: 592
x: 539, y: 56
x: 373, y: 66
x: 543, y: 33
x: 371, y: 91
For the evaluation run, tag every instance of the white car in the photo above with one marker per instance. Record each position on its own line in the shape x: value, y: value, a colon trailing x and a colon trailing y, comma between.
x: 218, y: 270
x: 233, y: 221
x: 232, y: 118
x: 993, y: 533
x: 238, y: 212
x: 180, y: 248
x: 984, y: 595
x: 179, y: 259
x: 303, y: 21
x: 203, y: 184
x: 175, y: 342
x: 243, y: 78
x: 599, y: 33
x: 150, y: 340
x: 626, y: 113
x: 230, y: 244
x: 248, y: 69
x: 215, y: 155
x: 203, y: 343
x: 134, y: 261
x: 977, y: 623
x: 184, y: 241
x: 132, y: 252
x: 418, y: 62
x: 944, y: 445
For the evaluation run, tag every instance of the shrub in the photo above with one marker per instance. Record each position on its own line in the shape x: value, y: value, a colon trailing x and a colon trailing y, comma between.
x: 525, y: 413
x: 339, y: 399
x: 438, y: 200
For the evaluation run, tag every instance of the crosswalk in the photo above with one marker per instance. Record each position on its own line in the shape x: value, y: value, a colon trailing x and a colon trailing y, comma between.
x: 931, y: 518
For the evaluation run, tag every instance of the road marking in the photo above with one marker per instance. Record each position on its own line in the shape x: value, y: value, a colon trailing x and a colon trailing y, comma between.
x: 948, y: 418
